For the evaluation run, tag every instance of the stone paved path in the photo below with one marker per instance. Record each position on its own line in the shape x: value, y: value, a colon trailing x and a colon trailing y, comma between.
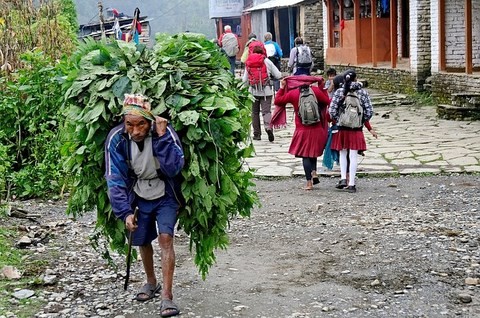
x: 411, y: 140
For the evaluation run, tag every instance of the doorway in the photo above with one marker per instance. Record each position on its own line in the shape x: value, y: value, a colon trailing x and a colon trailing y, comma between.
x: 405, y: 28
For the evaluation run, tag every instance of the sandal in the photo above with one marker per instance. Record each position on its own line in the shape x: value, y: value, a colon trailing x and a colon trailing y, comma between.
x: 315, y: 178
x: 147, y: 292
x: 168, y: 308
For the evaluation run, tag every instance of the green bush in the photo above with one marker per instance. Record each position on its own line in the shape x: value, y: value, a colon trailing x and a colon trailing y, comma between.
x: 29, y: 104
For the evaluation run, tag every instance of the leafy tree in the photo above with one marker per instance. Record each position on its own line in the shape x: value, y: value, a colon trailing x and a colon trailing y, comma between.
x: 69, y: 11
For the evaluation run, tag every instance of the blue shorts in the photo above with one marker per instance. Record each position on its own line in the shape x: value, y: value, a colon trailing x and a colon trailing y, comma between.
x: 161, y: 212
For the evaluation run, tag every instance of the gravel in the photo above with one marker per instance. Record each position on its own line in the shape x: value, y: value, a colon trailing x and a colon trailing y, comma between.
x: 399, y: 247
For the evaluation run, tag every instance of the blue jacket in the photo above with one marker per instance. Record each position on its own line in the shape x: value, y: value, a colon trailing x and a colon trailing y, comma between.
x: 121, y: 178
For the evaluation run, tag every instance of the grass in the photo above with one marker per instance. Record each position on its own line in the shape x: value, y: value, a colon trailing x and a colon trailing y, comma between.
x: 423, y: 99
x: 11, y: 256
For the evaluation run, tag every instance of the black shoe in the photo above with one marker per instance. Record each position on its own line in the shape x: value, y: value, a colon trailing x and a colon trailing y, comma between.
x: 351, y: 189
x: 271, y: 137
x: 257, y: 138
x: 341, y: 184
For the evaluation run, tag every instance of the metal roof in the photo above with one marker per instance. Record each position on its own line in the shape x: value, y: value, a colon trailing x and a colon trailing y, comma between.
x: 274, y: 4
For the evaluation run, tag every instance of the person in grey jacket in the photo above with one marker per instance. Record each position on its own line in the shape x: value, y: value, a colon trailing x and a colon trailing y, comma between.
x: 259, y: 71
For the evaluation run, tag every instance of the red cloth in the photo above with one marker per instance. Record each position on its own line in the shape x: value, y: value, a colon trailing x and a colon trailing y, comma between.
x: 307, y: 141
x: 295, y: 81
x: 279, y: 118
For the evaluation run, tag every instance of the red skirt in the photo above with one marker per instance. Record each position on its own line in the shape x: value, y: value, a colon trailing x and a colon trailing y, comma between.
x: 348, y: 139
x: 309, y: 141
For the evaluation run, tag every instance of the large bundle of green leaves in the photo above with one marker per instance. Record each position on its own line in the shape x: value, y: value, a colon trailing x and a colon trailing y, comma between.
x: 188, y: 81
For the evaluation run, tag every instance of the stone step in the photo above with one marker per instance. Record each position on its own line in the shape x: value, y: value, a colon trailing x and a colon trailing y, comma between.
x: 389, y: 99
x: 466, y: 99
x: 458, y: 112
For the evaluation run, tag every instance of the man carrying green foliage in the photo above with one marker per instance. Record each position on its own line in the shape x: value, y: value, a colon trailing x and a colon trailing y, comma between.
x: 144, y: 158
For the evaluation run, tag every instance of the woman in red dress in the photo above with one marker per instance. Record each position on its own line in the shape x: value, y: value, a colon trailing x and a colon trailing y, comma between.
x: 309, y: 141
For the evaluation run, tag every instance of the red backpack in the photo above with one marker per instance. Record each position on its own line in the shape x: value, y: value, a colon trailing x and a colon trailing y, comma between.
x: 255, y: 43
x: 257, y: 70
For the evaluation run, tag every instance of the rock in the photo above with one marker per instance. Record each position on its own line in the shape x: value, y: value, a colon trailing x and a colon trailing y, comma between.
x: 50, y: 279
x: 11, y: 272
x: 240, y: 307
x: 24, y: 241
x: 465, y: 298
x: 471, y: 281
x: 376, y: 282
x: 23, y: 294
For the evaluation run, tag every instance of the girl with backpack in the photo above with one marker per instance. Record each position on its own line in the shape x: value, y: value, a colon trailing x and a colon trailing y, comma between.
x: 308, y: 141
x: 349, y: 141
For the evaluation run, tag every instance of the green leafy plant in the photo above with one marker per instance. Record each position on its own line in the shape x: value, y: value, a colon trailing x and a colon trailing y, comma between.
x: 29, y: 105
x: 188, y: 81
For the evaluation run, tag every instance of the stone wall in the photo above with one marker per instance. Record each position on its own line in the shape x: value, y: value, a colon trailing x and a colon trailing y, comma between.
x: 314, y: 32
x: 443, y: 85
x: 387, y: 79
x: 420, y: 41
x: 476, y: 33
x: 455, y: 33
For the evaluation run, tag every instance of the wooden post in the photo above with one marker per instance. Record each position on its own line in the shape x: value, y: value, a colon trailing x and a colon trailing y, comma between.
x: 356, y: 20
x: 374, y: 32
x: 468, y: 37
x: 340, y: 13
x: 393, y: 33
x: 276, y: 26
x: 441, y: 30
x: 100, y: 14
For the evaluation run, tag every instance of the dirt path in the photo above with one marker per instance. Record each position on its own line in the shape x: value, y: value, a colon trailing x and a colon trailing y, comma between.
x: 399, y: 247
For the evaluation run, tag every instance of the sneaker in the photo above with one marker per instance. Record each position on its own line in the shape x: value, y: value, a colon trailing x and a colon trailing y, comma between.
x: 271, y: 137
x: 351, y: 189
x: 341, y: 184
x: 257, y: 138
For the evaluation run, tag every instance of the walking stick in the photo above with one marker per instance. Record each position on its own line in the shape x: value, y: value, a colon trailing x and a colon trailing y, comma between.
x: 129, y: 251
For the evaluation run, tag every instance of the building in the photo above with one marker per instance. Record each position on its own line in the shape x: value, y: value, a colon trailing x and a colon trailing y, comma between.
x: 407, y: 45
x: 229, y: 12
x: 125, y: 24
x: 287, y: 19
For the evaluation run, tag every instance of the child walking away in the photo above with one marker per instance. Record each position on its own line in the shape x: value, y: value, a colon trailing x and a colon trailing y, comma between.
x: 311, y: 125
x: 331, y: 73
x: 350, y: 108
x: 258, y: 72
